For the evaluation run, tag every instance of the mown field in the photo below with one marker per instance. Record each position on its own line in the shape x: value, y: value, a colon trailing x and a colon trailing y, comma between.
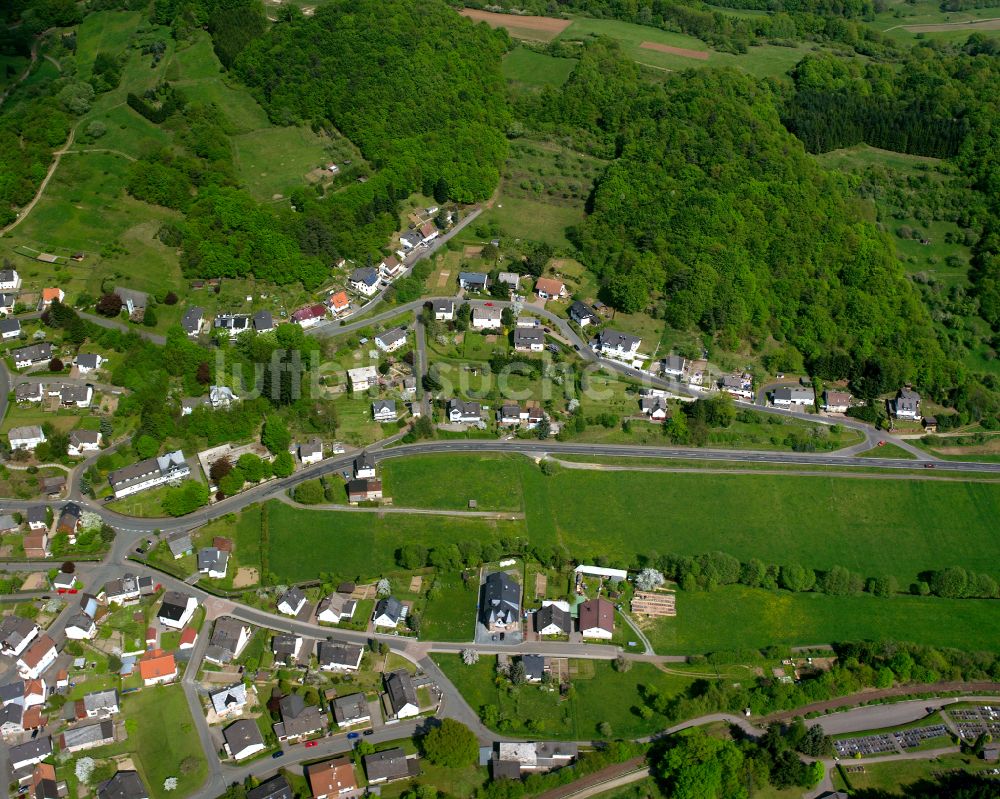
x: 536, y: 69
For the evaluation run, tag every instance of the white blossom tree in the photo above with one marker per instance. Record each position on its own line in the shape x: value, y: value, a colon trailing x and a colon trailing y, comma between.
x: 84, y: 768
x: 649, y: 579
x: 383, y: 587
x: 90, y: 521
x: 470, y: 656
x: 170, y: 784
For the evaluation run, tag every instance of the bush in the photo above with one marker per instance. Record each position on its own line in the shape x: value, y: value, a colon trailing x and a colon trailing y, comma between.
x: 310, y: 493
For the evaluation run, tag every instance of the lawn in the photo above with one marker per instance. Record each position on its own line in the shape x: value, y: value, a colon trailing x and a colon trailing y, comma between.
x: 274, y: 161
x: 465, y: 781
x: 525, y: 66
x: 599, y: 694
x: 894, y: 777
x: 736, y: 617
x: 525, y: 218
x: 304, y: 543
x: 451, y: 608
x: 103, y: 31
x: 491, y: 480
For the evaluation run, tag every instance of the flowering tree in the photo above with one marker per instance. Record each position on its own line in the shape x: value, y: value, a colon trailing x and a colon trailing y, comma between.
x: 84, y: 768
x: 383, y: 588
x: 649, y: 579
x: 470, y: 656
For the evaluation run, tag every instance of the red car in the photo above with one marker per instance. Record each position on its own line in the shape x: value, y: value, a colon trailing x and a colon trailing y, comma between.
x: 488, y: 304
x: 310, y: 744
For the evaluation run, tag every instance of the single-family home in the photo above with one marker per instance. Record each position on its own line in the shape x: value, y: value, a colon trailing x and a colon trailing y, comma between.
x: 338, y: 656
x: 333, y: 778
x: 534, y: 667
x: 583, y: 314
x: 262, y: 321
x: 156, y: 667
x: 487, y: 318
x: 124, y: 785
x: 243, y: 739
x: 81, y: 441
x: 63, y: 581
x: 229, y: 701
x: 501, y: 606
x: 367, y: 489
x: 789, y: 396
x: 474, y: 281
x: 310, y: 315
x: 7, y: 303
x: 364, y: 280
x: 286, y: 648
x: 36, y: 544
x: 176, y: 609
x: 27, y: 437
x: 511, y: 760
x: 549, y: 288
x: 32, y: 355
x: 462, y: 412
x: 80, y: 627
x: 50, y: 295
x: 410, y: 239
x: 351, y: 710
x: 69, y: 520
x: 87, y: 362
x: 291, y: 602
x: 8, y: 524
x: 389, y: 765
x: 388, y: 612
x: 654, y: 407
x: 150, y: 473
x: 76, y: 396
x: 298, y: 719
x: 39, y: 655
x: 674, y: 366
x: 428, y: 232
x: 339, y: 302
x: 9, y: 328
x: 391, y: 268
x: 193, y: 319
x: 384, y: 410
x: 229, y: 639
x: 311, y: 451
x: 528, y: 340
x: 336, y: 608
x: 553, y: 619
x: 402, y: 695
x: 16, y: 634
x: 190, y: 404
x: 132, y: 300
x: 391, y: 340
x: 597, y: 618
x: 444, y: 310
x: 10, y: 280
x: 180, y: 544
x: 362, y: 378
x: 28, y: 392
x: 614, y: 344
x: 232, y: 324
x: 738, y: 385
x: 906, y: 405
x: 87, y: 736
x: 364, y: 465
x: 99, y: 704
x: 122, y: 590
x: 511, y: 279
x: 30, y: 752
x: 38, y: 518
x: 213, y: 561
x: 221, y: 396
x: 275, y: 788
x: 836, y: 401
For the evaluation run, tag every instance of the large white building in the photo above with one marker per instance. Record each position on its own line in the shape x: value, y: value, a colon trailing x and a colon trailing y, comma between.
x: 149, y: 473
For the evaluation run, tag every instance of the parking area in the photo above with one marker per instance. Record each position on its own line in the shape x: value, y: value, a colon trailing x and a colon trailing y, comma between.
x: 888, y: 743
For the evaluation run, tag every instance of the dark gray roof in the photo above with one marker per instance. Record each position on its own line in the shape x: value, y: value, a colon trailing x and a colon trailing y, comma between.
x: 338, y: 653
x: 12, y: 691
x: 350, y: 707
x: 36, y: 514
x: 365, y: 274
x: 79, y: 436
x: 501, y: 599
x: 400, y: 688
x: 534, y: 666
x: 226, y: 633
x: 364, y: 461
x: 173, y: 606
x: 34, y: 352
x: 390, y: 337
x: 139, y: 298
x: 293, y: 597
x: 389, y: 606
x: 40, y: 747
x: 526, y: 336
x: 241, y: 734
x: 263, y: 320
x: 212, y: 559
x: 616, y: 340
x: 444, y: 306
x: 389, y: 764
x: 15, y: 629
x: 88, y: 360
x: 275, y: 788
x: 284, y: 644
x: 579, y: 310
x: 124, y: 785
x: 550, y: 614
x: 192, y: 318
x: 88, y: 734
x: 474, y: 278
x: 10, y: 326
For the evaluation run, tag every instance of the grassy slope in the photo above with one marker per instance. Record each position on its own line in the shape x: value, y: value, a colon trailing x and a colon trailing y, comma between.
x: 536, y: 69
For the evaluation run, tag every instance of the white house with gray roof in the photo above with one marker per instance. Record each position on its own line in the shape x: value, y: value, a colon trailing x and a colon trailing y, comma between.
x: 27, y: 437
x: 149, y: 473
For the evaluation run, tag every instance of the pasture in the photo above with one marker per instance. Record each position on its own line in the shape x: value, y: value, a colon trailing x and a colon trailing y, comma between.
x: 527, y: 67
x: 274, y: 161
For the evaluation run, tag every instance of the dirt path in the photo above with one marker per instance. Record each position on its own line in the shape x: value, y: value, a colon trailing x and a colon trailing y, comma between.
x: 56, y: 156
x: 126, y: 156
x: 991, y: 24
x: 27, y: 69
x: 701, y: 55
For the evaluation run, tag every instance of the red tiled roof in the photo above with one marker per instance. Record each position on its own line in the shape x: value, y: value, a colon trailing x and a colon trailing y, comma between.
x: 157, y: 664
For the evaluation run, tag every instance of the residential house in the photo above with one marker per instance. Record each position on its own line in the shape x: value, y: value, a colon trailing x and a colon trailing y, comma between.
x: 597, y: 618
x: 462, y: 412
x: 88, y: 605
x: 7, y: 303
x: 180, y: 544
x: 674, y: 366
x: 333, y: 778
x: 391, y: 268
x: 30, y: 752
x: 364, y: 280
x: 63, y: 581
x: 351, y: 710
x: 193, y: 319
x: 501, y: 606
x: 87, y: 736
x: 338, y: 656
x: 509, y: 414
x: 32, y: 355
x: 514, y: 759
x: 81, y: 441
x: 189, y: 635
x: 39, y: 655
x: 444, y: 310
x: 100, y: 704
x: 11, y: 720
x: 654, y: 407
x: 263, y: 322
x: 739, y: 385
x: 36, y: 545
x: 553, y: 619
x: 511, y: 279
x: 362, y: 378
x: 549, y: 288
x: 487, y: 318
x: 286, y: 648
x: 87, y: 362
x: 232, y: 324
x: 528, y: 340
x: 298, y: 719
x: 38, y: 518
x: 213, y: 561
x: 229, y: 701
x: 391, y: 340
x: 837, y: 401
x: 10, y: 280
x: 27, y: 437
x: 787, y: 396
x: 124, y: 785
x: 122, y: 590
x: 131, y: 299
x: 76, y: 396
x: 311, y: 451
x: 906, y: 405
x: 275, y: 788
x: 402, y: 695
x: 53, y: 488
x: 309, y: 316
x: 10, y: 328
x: 534, y: 667
x: 229, y: 639
x: 384, y: 410
x: 69, y: 520
x: 150, y: 473
x: 291, y: 602
x: 389, y: 765
x: 428, y: 232
x: 28, y: 392
x: 156, y: 667
x: 364, y: 465
x: 8, y: 524
x: 190, y: 404
x: 336, y: 608
x: 388, y: 612
x: 474, y: 281
x: 16, y: 634
x: 366, y: 490
x: 243, y: 739
x: 176, y: 610
x: 583, y: 314
x: 49, y: 295
x: 410, y: 239
x: 614, y: 344
x: 339, y: 303
x: 80, y: 627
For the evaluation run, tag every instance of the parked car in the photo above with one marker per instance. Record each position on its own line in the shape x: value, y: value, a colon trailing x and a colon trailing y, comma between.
x: 369, y: 732
x: 352, y: 735
x: 311, y: 744
x: 279, y: 753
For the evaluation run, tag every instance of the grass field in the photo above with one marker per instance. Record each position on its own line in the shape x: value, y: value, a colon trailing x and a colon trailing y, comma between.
x: 275, y: 160
x: 104, y: 31
x: 449, y: 614
x: 494, y: 482
x: 894, y: 777
x: 532, y: 219
x: 536, y: 69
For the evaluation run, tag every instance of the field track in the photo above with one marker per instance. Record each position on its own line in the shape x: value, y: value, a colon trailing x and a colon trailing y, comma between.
x: 941, y: 27
x: 538, y: 29
x: 701, y: 55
